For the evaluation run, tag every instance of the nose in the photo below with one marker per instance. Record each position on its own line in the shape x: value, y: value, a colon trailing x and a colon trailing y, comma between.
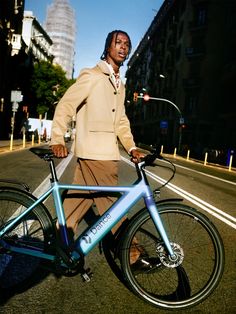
x: 124, y: 46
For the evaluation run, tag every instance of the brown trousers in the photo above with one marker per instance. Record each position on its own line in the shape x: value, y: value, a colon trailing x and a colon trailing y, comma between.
x: 77, y: 203
x: 90, y: 172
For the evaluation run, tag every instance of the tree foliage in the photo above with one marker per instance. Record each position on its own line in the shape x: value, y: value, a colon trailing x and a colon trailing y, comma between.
x: 48, y: 84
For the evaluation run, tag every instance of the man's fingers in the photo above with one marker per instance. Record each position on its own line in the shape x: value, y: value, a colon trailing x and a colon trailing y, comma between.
x: 59, y: 151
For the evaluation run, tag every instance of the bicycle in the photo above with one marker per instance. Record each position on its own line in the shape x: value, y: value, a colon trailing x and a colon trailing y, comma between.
x: 181, y: 251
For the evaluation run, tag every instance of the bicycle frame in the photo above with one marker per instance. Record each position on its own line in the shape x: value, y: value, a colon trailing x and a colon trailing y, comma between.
x: 91, y: 236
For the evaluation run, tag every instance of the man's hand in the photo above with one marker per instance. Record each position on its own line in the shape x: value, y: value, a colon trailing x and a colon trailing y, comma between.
x: 59, y: 150
x: 136, y: 156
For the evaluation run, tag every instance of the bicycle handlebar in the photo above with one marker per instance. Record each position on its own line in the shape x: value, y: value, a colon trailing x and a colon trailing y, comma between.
x: 47, y: 154
x: 44, y: 153
x: 150, y: 158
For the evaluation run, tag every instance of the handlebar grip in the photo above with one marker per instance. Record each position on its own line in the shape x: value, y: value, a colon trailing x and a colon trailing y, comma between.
x: 150, y: 158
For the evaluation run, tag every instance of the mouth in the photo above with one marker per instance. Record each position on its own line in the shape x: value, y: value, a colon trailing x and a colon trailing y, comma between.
x: 122, y: 55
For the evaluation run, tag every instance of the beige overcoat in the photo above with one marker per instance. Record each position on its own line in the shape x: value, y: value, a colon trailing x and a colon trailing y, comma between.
x: 100, y: 116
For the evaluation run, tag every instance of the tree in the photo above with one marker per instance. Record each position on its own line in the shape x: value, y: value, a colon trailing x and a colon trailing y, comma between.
x: 48, y: 84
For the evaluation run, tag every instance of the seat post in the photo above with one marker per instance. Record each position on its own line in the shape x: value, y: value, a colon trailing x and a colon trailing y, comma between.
x: 53, y: 171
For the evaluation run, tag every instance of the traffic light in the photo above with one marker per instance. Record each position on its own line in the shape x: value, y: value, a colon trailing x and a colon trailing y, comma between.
x: 182, y: 127
x: 146, y: 97
x: 135, y: 97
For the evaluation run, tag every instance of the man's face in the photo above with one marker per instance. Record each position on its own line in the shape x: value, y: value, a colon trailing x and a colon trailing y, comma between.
x: 119, y: 49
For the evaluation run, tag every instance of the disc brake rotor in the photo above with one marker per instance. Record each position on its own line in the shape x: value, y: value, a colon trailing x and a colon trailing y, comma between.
x: 166, y: 259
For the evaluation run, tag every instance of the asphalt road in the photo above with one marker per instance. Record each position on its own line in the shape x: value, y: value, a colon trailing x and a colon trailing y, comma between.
x: 105, y: 293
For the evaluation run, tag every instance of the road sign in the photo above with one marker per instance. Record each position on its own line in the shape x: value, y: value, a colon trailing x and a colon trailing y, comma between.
x: 181, y: 120
x: 16, y: 96
x: 164, y: 124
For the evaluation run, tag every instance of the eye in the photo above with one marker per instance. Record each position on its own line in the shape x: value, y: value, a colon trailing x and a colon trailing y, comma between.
x: 120, y: 42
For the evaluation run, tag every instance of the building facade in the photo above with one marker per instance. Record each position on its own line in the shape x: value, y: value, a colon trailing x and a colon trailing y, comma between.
x: 187, y: 56
x: 38, y: 42
x: 23, y: 41
x: 12, y: 58
x: 60, y: 25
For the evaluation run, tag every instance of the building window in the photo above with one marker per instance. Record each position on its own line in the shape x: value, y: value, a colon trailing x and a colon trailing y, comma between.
x: 190, y: 105
x: 181, y: 27
x: 178, y: 52
x: 183, y: 7
x: 200, y: 15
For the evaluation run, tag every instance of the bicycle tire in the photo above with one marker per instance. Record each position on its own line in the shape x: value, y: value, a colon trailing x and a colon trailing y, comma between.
x: 34, y: 231
x: 194, y: 238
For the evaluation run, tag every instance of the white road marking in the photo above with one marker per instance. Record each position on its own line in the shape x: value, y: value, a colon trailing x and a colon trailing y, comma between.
x: 206, y: 175
x: 45, y: 185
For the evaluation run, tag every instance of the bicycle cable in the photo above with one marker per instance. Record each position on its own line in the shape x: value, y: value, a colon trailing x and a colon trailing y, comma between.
x: 173, y: 169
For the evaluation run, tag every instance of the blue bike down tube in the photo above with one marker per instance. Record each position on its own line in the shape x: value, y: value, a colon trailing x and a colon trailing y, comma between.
x: 107, y: 221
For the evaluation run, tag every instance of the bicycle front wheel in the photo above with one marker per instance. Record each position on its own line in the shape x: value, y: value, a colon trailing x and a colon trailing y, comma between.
x: 34, y: 231
x: 166, y: 283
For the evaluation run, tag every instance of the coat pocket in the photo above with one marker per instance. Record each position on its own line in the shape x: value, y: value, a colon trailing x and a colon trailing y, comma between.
x: 101, y: 126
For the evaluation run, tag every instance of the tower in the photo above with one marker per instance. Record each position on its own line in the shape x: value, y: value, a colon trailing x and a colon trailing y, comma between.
x: 60, y: 26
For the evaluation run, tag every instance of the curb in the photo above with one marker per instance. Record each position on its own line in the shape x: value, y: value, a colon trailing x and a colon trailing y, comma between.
x: 200, y: 162
x: 17, y: 147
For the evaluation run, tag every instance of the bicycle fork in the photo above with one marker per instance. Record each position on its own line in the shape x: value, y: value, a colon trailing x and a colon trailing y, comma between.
x: 151, y: 205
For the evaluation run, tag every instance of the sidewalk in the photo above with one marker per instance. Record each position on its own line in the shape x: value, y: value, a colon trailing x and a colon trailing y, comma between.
x: 200, y: 162
x: 17, y: 145
x: 187, y: 159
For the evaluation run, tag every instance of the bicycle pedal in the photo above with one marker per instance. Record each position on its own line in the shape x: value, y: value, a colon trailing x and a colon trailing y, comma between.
x: 86, y: 275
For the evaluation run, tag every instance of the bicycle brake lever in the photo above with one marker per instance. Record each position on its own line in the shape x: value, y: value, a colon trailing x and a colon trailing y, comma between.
x: 149, y: 159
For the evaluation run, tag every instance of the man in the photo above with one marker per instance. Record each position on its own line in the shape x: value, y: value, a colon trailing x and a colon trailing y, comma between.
x: 97, y: 101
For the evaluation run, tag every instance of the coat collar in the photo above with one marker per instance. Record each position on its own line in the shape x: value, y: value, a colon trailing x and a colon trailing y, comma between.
x: 104, y: 68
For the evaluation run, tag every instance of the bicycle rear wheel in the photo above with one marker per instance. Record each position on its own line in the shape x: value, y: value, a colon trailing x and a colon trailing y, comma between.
x: 173, y: 284
x: 35, y: 231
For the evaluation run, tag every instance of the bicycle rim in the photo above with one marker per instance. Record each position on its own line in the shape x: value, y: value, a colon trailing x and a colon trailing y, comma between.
x: 32, y: 232
x: 199, y: 246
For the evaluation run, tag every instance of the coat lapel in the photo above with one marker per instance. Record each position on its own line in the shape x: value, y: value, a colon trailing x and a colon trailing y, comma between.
x: 106, y: 71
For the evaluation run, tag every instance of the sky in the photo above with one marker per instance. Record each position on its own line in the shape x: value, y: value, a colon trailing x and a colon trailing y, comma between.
x: 96, y: 18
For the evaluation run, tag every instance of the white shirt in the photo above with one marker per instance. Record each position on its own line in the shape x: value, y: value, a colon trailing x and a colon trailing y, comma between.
x: 117, y: 81
x: 115, y: 77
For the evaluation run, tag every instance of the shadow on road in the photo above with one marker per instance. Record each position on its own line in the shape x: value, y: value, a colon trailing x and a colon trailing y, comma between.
x: 19, y: 273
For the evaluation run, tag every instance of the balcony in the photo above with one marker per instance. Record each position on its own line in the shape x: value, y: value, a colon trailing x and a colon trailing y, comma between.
x: 192, y: 52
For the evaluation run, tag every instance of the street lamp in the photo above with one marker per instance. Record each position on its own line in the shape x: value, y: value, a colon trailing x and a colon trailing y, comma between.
x: 146, y: 97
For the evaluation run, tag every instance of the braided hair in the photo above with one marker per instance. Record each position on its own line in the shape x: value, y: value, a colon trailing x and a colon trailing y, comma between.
x: 109, y: 41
